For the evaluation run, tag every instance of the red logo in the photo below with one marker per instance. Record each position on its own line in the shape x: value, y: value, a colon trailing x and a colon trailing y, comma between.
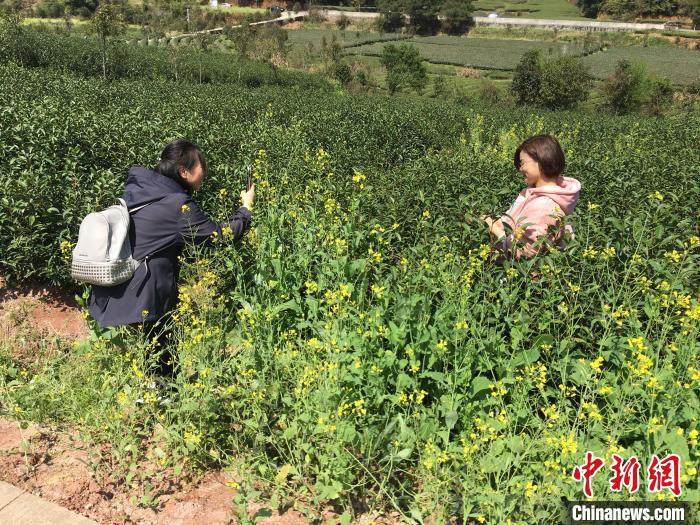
x: 587, y: 471
x: 661, y: 474
x: 665, y: 474
x: 626, y: 474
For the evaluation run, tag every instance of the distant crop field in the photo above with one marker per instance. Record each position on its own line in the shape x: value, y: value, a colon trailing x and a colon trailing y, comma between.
x: 474, y: 52
x: 555, y: 9
x: 679, y: 65
x: 237, y: 9
x: 345, y: 38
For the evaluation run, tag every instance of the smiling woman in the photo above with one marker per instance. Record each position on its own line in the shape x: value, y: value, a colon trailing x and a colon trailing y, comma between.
x: 539, y: 209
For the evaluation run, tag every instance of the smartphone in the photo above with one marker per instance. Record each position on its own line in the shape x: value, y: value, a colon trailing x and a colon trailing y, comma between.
x: 249, y: 178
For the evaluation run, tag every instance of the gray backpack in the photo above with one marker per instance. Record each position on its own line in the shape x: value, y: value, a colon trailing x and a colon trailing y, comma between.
x: 103, y: 253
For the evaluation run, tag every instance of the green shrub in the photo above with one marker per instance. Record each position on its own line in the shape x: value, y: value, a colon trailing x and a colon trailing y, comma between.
x: 362, y: 347
x: 82, y: 55
x: 489, y: 93
x: 660, y: 95
x: 565, y: 82
x: 404, y: 67
x: 527, y: 78
x: 456, y: 16
x: 624, y: 89
x: 554, y: 82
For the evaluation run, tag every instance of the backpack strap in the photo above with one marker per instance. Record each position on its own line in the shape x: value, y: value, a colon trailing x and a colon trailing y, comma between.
x: 137, y: 208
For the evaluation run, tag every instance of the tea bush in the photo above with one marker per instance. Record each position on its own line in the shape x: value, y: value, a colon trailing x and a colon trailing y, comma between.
x: 81, y: 54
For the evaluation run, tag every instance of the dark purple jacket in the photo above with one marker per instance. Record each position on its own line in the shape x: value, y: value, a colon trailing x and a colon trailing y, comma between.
x: 158, y: 233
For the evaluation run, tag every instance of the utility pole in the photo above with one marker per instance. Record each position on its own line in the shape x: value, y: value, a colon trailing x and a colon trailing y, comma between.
x: 188, y: 19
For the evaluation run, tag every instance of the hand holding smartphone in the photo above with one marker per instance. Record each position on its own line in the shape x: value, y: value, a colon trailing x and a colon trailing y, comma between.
x: 249, y: 178
x: 248, y: 194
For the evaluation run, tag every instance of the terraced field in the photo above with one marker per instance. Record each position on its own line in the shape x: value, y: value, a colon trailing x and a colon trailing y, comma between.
x: 474, y: 52
x: 315, y: 37
x: 680, y: 65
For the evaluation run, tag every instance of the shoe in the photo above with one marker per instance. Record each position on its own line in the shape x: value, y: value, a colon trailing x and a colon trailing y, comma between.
x: 164, y: 401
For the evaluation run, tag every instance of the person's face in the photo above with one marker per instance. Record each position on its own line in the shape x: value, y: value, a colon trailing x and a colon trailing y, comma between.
x: 193, y: 177
x: 530, y: 169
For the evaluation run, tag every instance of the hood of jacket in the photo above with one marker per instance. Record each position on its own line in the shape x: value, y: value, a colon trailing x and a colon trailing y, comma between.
x: 565, y: 193
x: 144, y: 185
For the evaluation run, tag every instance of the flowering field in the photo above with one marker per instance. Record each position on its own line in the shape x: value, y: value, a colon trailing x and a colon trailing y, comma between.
x: 361, y: 347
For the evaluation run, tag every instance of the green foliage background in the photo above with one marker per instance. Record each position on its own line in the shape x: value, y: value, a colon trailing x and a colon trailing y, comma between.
x: 362, y: 347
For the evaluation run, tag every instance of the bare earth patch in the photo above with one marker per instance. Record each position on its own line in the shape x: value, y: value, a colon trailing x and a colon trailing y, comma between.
x: 34, y: 319
x: 58, y: 468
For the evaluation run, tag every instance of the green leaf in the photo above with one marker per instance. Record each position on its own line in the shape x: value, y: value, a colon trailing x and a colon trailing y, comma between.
x: 451, y: 419
x: 526, y: 358
x: 404, y: 453
x: 292, y: 305
x: 676, y: 445
x: 357, y: 266
x: 480, y: 384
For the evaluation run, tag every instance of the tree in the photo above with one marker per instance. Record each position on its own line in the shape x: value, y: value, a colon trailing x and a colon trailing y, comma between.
x: 335, y: 65
x: 456, y: 16
x: 695, y: 15
x: 203, y: 40
x: 83, y: 8
x: 439, y: 88
x: 556, y: 83
x: 389, y: 22
x: 564, y: 82
x: 526, y: 79
x: 242, y: 38
x: 624, y: 89
x: 660, y: 95
x: 590, y: 8
x: 423, y: 15
x: 404, y: 67
x: 106, y: 23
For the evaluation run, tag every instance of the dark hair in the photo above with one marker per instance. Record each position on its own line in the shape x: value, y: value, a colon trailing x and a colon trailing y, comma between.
x: 546, y: 151
x: 179, y: 153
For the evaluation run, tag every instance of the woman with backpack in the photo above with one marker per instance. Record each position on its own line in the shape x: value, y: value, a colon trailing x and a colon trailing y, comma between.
x: 539, y: 209
x: 164, y: 218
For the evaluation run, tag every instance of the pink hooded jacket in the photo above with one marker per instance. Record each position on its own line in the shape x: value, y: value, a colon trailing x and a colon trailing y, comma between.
x: 535, y: 210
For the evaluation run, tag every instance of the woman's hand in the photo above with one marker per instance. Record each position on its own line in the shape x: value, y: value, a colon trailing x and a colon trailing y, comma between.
x: 248, y: 197
x: 496, y: 228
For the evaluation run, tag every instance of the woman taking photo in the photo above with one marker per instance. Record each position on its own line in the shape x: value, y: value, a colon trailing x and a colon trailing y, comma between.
x: 168, y: 219
x: 539, y: 209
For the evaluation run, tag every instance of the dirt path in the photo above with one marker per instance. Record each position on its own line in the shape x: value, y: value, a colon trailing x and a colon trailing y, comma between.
x: 58, y: 468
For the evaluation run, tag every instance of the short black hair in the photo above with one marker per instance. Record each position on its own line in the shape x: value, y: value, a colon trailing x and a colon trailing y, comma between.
x: 179, y: 153
x: 546, y: 151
